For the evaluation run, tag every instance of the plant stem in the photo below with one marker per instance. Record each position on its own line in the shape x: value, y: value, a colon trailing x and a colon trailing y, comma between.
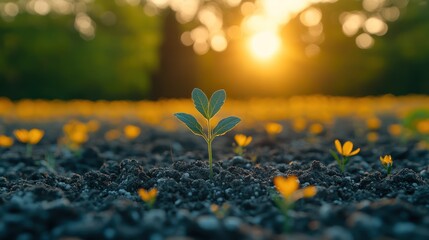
x: 287, y: 223
x: 209, y: 147
x: 29, y: 150
x: 389, y: 168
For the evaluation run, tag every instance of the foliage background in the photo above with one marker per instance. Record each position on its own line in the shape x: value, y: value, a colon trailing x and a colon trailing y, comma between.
x: 138, y: 57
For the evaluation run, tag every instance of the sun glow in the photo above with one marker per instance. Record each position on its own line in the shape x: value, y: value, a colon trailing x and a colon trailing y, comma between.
x: 264, y: 45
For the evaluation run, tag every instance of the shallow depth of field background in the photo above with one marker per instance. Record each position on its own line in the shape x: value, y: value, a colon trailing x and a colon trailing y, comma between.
x: 137, y: 49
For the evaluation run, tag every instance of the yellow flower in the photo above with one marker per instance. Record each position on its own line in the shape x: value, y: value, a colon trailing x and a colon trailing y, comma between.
x: 32, y: 136
x: 372, y: 137
x: 78, y: 137
x: 346, y: 149
x: 76, y: 134
x: 273, y: 128
x: 423, y: 126
x: 93, y: 125
x: 289, y: 188
x: 386, y: 160
x: 148, y: 196
x: 219, y: 211
x: 395, y: 130
x: 316, y: 128
x: 131, y: 131
x: 5, y: 141
x: 309, y: 191
x: 242, y: 140
x: 214, y: 208
x: 373, y: 123
x: 75, y: 126
x: 286, y: 186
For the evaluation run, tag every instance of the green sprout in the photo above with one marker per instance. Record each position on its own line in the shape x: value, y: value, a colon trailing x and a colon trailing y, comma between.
x: 208, y: 108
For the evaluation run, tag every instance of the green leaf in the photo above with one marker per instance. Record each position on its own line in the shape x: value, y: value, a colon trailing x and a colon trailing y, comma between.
x: 191, y: 123
x: 201, y: 102
x: 334, y: 154
x: 216, y: 102
x: 225, y: 125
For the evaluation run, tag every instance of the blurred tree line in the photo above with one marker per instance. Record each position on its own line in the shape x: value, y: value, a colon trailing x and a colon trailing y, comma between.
x: 135, y: 56
x: 45, y: 57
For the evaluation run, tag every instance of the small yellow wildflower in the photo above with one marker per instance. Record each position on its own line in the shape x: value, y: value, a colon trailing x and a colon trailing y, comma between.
x: 395, y: 129
x: 386, y: 160
x: 290, y: 192
x: 387, y: 163
x: 316, y: 128
x: 76, y: 134
x: 373, y: 123
x: 309, y: 191
x: 93, y: 125
x: 372, y: 137
x: 289, y: 188
x: 5, y: 141
x: 423, y: 126
x: 242, y: 140
x: 75, y: 126
x: 286, y: 186
x: 131, y: 132
x: 32, y: 136
x: 149, y: 197
x: 273, y: 128
x: 346, y: 149
x: 220, y: 211
x: 76, y: 139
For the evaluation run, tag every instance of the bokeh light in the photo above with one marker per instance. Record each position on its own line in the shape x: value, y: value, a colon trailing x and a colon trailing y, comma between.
x: 364, y: 41
x: 264, y: 45
x: 259, y: 16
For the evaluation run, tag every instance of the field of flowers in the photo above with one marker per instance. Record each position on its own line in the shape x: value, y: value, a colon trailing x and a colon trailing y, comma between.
x: 303, y: 167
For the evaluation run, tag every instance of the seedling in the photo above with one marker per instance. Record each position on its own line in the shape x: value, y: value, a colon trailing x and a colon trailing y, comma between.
x: 208, y: 108
x: 289, y: 194
x: 29, y: 137
x: 148, y: 196
x: 241, y: 142
x: 387, y: 163
x: 345, y: 151
x: 50, y: 162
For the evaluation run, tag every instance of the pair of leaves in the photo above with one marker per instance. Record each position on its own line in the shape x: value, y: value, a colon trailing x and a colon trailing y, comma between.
x: 208, y: 108
x: 222, y: 127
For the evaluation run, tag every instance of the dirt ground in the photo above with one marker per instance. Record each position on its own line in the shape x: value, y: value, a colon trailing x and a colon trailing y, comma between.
x: 93, y: 195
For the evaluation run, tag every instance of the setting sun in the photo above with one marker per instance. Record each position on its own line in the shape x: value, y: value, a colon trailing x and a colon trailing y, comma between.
x: 264, y: 45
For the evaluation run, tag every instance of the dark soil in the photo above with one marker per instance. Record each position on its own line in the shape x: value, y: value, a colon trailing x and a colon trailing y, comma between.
x: 94, y: 195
